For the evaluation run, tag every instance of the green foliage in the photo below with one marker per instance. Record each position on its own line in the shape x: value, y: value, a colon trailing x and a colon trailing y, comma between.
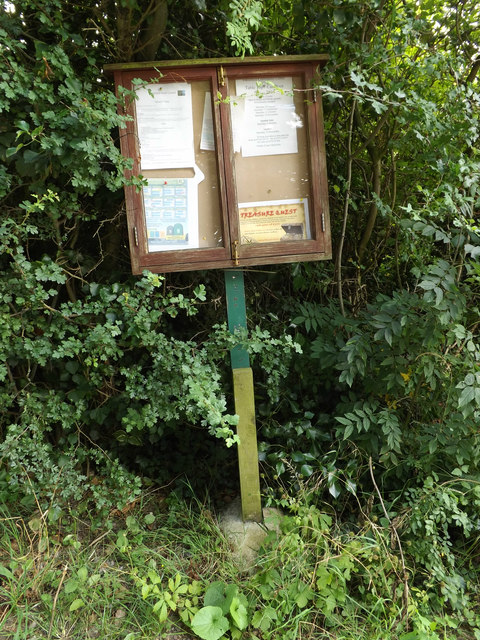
x: 441, y: 514
x: 403, y: 390
x: 66, y: 134
x: 177, y: 595
x: 245, y: 15
x: 312, y: 575
x: 406, y: 391
x: 225, y: 610
x: 97, y: 368
x: 165, y: 571
x: 115, y: 372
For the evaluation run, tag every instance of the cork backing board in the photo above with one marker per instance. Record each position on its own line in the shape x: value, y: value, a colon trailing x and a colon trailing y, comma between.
x: 209, y: 211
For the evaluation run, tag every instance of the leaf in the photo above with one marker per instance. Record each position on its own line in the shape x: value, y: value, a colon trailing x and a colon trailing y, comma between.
x: 82, y: 574
x: 428, y: 284
x: 149, y: 518
x: 339, y: 16
x: 35, y: 524
x: 348, y: 431
x: 29, y: 157
x: 72, y: 366
x: 239, y: 614
x: 210, y: 623
x: 304, y: 595
x: 333, y: 489
x: 231, y: 592
x: 76, y: 604
x: 263, y: 619
x: 161, y: 610
x: 71, y: 585
x: 306, y: 470
x: 466, y: 397
x: 6, y: 573
x: 215, y: 594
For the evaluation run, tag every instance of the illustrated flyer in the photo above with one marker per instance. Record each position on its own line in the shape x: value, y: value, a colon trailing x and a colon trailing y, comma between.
x: 171, y: 213
x: 276, y: 221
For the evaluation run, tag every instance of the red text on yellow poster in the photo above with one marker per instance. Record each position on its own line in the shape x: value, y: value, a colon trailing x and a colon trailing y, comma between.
x: 273, y: 222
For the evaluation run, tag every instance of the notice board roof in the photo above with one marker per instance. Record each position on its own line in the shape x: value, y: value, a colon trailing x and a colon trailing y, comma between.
x: 321, y: 58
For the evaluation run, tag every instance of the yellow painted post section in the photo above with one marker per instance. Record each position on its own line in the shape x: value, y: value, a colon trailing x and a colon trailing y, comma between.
x: 247, y: 449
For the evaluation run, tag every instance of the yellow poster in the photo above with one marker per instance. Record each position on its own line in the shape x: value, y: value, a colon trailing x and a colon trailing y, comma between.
x: 278, y: 221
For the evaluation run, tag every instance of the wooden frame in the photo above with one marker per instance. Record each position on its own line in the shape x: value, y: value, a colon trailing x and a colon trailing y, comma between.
x: 266, y: 186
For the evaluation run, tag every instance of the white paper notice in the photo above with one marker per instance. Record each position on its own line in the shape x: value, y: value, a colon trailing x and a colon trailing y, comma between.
x: 207, y: 141
x: 270, y: 123
x: 237, y: 111
x: 165, y: 126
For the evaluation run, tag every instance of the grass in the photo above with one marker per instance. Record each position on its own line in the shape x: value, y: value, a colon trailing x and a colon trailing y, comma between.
x: 70, y: 580
x: 66, y: 577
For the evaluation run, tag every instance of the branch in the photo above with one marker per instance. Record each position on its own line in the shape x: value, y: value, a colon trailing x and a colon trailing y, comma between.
x: 397, y: 538
x: 372, y: 215
x: 154, y: 31
x: 338, y: 262
x: 473, y: 72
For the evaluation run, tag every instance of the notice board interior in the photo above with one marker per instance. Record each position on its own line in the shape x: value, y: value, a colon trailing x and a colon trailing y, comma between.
x: 232, y: 156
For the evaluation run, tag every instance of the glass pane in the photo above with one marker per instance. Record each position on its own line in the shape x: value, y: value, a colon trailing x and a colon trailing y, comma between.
x: 178, y: 160
x: 271, y: 159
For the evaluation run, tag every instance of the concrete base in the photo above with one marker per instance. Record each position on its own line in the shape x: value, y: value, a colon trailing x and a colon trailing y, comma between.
x: 246, y: 537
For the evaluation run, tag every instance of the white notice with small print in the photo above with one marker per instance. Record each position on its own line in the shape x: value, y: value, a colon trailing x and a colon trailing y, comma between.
x: 270, y: 123
x: 165, y: 126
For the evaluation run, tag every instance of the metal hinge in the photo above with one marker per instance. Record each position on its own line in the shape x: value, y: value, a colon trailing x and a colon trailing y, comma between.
x: 135, y: 236
x: 323, y: 222
x: 221, y: 76
x: 235, y: 252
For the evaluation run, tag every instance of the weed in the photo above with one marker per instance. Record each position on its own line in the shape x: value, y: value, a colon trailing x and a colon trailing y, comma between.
x: 164, y: 570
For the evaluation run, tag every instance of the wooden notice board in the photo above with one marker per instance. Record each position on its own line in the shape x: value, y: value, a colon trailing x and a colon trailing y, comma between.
x: 232, y: 156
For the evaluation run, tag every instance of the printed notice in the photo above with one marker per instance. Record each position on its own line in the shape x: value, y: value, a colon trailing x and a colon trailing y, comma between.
x: 277, y: 221
x: 171, y: 213
x: 269, y: 122
x: 207, y: 140
x: 165, y: 126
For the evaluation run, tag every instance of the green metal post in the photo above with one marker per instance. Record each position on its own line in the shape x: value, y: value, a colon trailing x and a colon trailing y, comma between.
x: 244, y: 401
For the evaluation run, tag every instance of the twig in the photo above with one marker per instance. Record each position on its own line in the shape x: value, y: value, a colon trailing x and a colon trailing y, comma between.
x: 345, y: 209
x: 65, y: 569
x: 397, y: 537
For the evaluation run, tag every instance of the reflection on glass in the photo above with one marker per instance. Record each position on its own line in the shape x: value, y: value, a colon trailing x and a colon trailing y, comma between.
x: 271, y: 160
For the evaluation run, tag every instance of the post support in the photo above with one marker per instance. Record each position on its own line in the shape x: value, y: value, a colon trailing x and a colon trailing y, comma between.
x: 244, y: 401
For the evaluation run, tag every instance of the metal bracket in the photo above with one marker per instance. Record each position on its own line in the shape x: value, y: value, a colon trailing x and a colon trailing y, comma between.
x: 235, y: 252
